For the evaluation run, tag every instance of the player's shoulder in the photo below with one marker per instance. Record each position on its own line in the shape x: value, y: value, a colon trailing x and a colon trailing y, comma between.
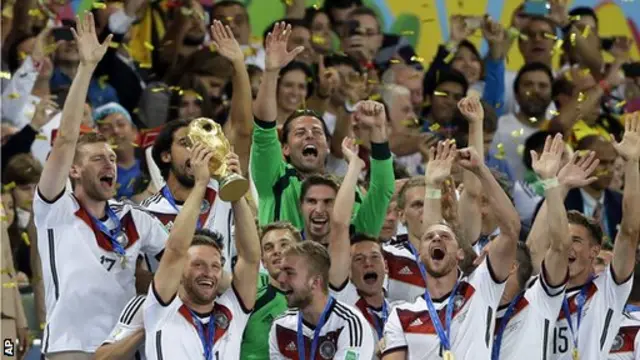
x: 287, y: 318
x: 138, y: 211
x: 397, y: 246
x: 152, y: 200
x: 348, y: 313
x: 133, y: 307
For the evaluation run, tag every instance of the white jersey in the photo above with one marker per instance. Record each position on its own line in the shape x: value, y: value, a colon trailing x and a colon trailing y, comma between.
x: 404, y: 280
x: 129, y: 322
x: 171, y: 332
x: 626, y: 345
x: 410, y: 328
x: 215, y: 215
x: 344, y: 335
x: 348, y: 294
x: 601, y: 317
x: 84, y: 280
x: 530, y: 326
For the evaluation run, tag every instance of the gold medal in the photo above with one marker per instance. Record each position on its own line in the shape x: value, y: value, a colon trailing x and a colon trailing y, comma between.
x: 123, y: 261
x: 576, y: 354
x: 448, y: 355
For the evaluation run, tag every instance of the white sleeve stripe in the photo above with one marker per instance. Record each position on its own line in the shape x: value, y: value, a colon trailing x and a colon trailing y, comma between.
x: 355, y: 325
x: 131, y: 309
x: 605, y: 329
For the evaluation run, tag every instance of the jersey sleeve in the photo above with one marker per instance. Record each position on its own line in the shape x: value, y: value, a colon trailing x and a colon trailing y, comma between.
x: 55, y: 212
x: 274, y: 351
x: 157, y: 311
x: 393, y: 336
x: 357, y: 342
x: 485, y: 281
x: 129, y: 321
x: 617, y: 293
x: 545, y: 298
x: 153, y: 234
x: 347, y: 293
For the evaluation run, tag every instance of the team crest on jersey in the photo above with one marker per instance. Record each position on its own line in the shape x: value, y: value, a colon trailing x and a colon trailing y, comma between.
x: 458, y: 301
x: 205, y: 206
x: 222, y: 321
x: 327, y: 350
x: 618, y: 343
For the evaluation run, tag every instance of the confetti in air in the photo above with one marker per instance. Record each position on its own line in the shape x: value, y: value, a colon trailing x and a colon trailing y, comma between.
x: 41, y: 137
x: 99, y: 5
x: 417, y: 59
x: 9, y: 186
x: 317, y: 39
x: 25, y: 238
x: 520, y: 149
x: 434, y: 127
x: 440, y: 93
x: 517, y: 133
x: 114, y: 45
x: 620, y: 104
x: 533, y: 120
x: 146, y: 66
x: 501, y: 153
x: 407, y: 32
x: 148, y: 46
x: 581, y: 97
x: 5, y: 75
x: 14, y: 95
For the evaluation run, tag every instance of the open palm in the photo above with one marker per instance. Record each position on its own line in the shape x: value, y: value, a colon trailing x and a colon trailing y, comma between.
x: 277, y: 55
x: 441, y: 159
x: 548, y: 163
x: 575, y: 174
x: 89, y: 48
x: 629, y: 148
x: 225, y: 42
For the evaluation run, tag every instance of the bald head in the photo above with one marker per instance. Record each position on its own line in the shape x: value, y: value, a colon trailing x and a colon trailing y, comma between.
x: 408, y: 77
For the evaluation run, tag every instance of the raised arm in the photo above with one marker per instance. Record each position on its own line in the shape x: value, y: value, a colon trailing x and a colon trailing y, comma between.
x: 339, y: 244
x: 438, y: 169
x: 56, y: 169
x: 245, y: 273
x: 626, y: 243
x: 265, y: 107
x: 556, y: 259
x: 502, y: 252
x: 471, y: 196
x: 122, y: 349
x: 169, y: 274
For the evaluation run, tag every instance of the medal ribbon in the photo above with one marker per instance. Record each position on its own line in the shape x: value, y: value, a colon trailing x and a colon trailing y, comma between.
x: 416, y: 256
x: 316, y: 332
x: 581, y: 300
x: 495, y: 352
x: 206, y: 337
x: 112, y: 235
x: 172, y: 201
x: 380, y: 321
x: 631, y: 308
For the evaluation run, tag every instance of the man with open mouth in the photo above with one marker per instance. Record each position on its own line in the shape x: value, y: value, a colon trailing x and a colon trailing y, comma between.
x: 454, y: 318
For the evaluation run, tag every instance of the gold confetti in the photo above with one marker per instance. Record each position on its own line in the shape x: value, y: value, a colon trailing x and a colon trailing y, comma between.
x: 557, y: 46
x: 317, y: 39
x: 372, y: 81
x: 417, y: 59
x: 435, y: 127
x: 574, y: 18
x: 99, y: 5
x: 146, y: 66
x: 585, y: 72
x: 567, y: 75
x: 375, y: 97
x: 135, y: 145
x: 358, y: 142
x: 440, y: 93
x: 572, y: 39
x: 148, y: 46
x: 43, y: 325
x: 187, y: 12
x: 113, y: 147
x: 41, y: 137
x: 5, y: 75
x: 501, y: 153
x: 10, y: 285
x: 157, y: 90
x: 517, y: 133
x: 14, y: 95
x: 130, y: 184
x: 550, y: 36
x: 498, y: 105
x: 554, y: 112
x: 586, y: 31
x: 316, y: 6
x: 114, y: 45
x: 102, y: 81
x: 25, y: 238
x: 394, y: 61
x: 50, y: 49
x: 581, y: 97
x: 520, y: 149
x: 35, y: 13
x: 181, y: 92
x: 620, y: 104
x: 174, y: 88
x: 136, y: 110
x: 449, y: 57
x: 288, y: 2
x: 6, y: 271
x: 407, y: 32
x: 410, y: 122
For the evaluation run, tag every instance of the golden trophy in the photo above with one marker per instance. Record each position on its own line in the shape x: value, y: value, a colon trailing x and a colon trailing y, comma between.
x: 232, y: 186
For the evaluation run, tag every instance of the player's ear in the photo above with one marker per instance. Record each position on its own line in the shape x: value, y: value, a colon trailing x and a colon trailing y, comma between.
x: 166, y: 156
x: 74, y: 172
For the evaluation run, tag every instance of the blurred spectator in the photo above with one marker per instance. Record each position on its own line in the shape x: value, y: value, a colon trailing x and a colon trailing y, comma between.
x: 361, y: 36
x: 293, y: 89
x: 321, y: 32
x: 235, y: 15
x: 300, y: 36
x: 409, y: 77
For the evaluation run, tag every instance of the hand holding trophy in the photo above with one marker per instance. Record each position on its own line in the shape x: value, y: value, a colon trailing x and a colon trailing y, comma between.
x: 232, y: 186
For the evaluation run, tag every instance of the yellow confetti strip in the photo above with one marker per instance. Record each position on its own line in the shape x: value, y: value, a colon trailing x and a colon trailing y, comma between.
x: 135, y: 145
x: 372, y: 81
x: 186, y: 11
x: 99, y: 5
x: 572, y: 39
x: 533, y: 120
x: 10, y: 285
x: 557, y: 46
x: 102, y: 81
x: 148, y: 46
x: 249, y: 51
x: 574, y: 18
x: 309, y: 79
x: 41, y: 137
x: 43, y: 325
x: 407, y: 32
x: 417, y: 59
x: 410, y: 122
x: 181, y: 92
x: 6, y: 271
x: 586, y: 31
x: 35, y: 13
x: 554, y: 112
x: 130, y: 184
x: 174, y: 88
x: 500, y: 154
x: 581, y: 97
x: 550, y: 36
x: 620, y: 104
x: 517, y: 133
x: 434, y: 127
x: 113, y: 147
x: 5, y: 75
x: 9, y: 186
x: 440, y: 93
x: 317, y: 39
x: 358, y: 142
x: 316, y: 6
x: 50, y: 49
x: 375, y: 97
x: 114, y: 45
x: 136, y: 110
x: 22, y: 55
x: 449, y: 57
x: 394, y: 61
x: 288, y: 2
x: 520, y: 149
x: 146, y: 66
x: 25, y: 238
x: 157, y: 90
x: 567, y: 75
x: 585, y: 72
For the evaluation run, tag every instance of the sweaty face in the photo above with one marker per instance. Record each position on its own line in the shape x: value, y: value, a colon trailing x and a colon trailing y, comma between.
x: 317, y: 207
x: 301, y: 36
x: 412, y: 212
x: 95, y: 171
x: 190, y: 106
x: 534, y: 93
x: 292, y: 90
x: 367, y: 267
x: 274, y: 243
x: 238, y: 20
x: 538, y: 46
x: 296, y: 282
x: 390, y: 222
x: 9, y: 208
x: 439, y: 250
x: 445, y: 100
x: 583, y: 251
x: 468, y: 64
x: 306, y: 144
x: 202, y: 274
x: 118, y: 130
x: 179, y: 157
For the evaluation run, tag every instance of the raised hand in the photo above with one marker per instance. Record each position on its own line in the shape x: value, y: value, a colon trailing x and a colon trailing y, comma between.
x: 233, y: 163
x: 40, y: 117
x: 355, y: 87
x: 575, y: 173
x: 89, y: 48
x: 621, y: 47
x: 441, y: 158
x: 493, y: 31
x: 469, y: 159
x: 350, y: 151
x: 548, y: 163
x: 559, y: 13
x: 200, y: 157
x: 369, y: 113
x: 226, y: 44
x: 459, y: 29
x: 629, y: 148
x: 471, y: 109
x: 328, y: 79
x: 277, y: 55
x: 40, y: 46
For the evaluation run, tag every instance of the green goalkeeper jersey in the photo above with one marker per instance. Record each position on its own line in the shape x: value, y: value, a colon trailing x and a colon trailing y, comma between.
x: 270, y: 303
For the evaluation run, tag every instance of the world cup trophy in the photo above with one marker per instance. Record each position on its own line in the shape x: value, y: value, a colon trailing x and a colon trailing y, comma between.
x: 232, y: 186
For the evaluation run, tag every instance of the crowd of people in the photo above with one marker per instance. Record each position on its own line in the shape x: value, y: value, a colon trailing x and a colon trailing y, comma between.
x: 397, y: 208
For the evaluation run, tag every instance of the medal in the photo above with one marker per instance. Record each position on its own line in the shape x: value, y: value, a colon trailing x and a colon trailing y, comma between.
x: 123, y: 261
x: 576, y: 354
x: 448, y: 355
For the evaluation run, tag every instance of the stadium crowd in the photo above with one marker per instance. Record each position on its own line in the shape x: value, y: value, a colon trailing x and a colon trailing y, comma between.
x: 396, y: 207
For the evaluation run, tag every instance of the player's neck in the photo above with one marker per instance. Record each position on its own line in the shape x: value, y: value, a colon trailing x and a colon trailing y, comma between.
x: 95, y: 207
x: 273, y: 282
x: 579, y: 279
x: 443, y: 285
x: 197, y: 308
x: 511, y: 290
x: 375, y: 300
x: 178, y: 190
x: 414, y: 240
x: 312, y: 312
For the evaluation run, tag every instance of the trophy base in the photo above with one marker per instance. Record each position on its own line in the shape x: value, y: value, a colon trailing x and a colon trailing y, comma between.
x: 233, y: 187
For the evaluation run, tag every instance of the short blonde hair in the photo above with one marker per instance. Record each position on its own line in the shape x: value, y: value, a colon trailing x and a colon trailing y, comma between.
x: 317, y: 259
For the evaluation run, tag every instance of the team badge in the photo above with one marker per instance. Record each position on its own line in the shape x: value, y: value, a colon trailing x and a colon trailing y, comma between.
x: 327, y: 349
x: 205, y: 206
x: 458, y: 302
x: 618, y: 343
x: 222, y: 321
